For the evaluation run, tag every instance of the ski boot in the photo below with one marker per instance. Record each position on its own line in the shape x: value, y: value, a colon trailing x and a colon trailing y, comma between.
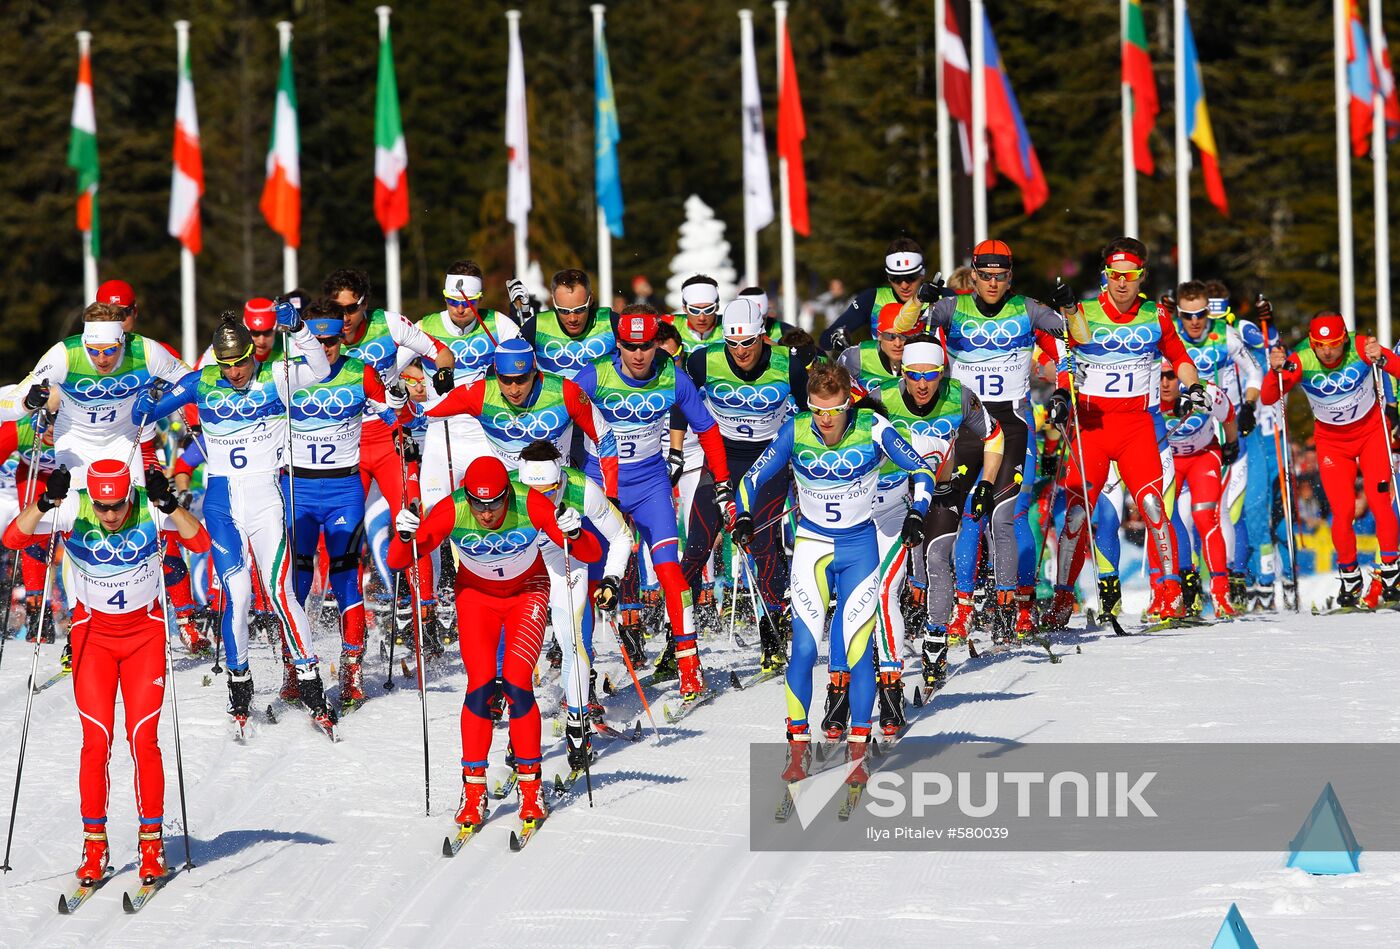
x: 473, y: 810
x: 554, y: 655
x: 66, y: 659
x: 498, y: 701
x: 192, y: 637
x: 152, y: 849
x: 1385, y: 586
x: 962, y: 614
x: 799, y: 738
x: 352, y: 679
x: 291, y: 691
x: 33, y: 602
x: 1110, y: 596
x: 240, y: 694
x: 1061, y: 609
x: 1220, y: 595
x: 935, y: 656
x: 1172, y: 606
x: 666, y: 668
x: 95, y: 856
x: 595, y: 709
x: 313, y: 696
x: 1267, y: 600
x: 1191, y: 591
x: 1025, y: 619
x: 532, y: 809
x: 1237, y: 587
x: 630, y: 634
x: 770, y: 639
x: 403, y: 623
x: 890, y: 690
x: 838, y: 705
x: 857, y: 744
x: 1350, y: 593
x: 1154, y: 609
x: 688, y: 665
x: 577, y: 743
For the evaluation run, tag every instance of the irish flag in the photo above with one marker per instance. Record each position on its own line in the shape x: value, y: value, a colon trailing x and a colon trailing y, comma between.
x: 1138, y: 77
x: 187, y: 177
x: 82, y: 146
x: 390, y: 151
x: 281, y: 197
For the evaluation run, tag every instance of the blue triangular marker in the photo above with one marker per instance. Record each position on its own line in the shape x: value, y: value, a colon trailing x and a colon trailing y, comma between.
x: 1234, y: 934
x: 1325, y: 843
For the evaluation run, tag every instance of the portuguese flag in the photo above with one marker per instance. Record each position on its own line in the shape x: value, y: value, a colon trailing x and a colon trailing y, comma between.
x: 1137, y: 76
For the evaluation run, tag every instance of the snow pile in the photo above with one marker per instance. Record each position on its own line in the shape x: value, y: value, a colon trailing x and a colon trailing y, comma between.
x: 702, y: 250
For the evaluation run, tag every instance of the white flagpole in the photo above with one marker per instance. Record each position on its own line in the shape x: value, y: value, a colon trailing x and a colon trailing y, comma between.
x: 393, y: 286
x: 1183, y: 151
x: 750, y: 234
x: 522, y: 254
x: 605, y: 276
x: 1130, y: 202
x: 979, y: 123
x: 89, y: 261
x: 289, y: 253
x: 1381, y: 187
x: 1343, y: 104
x: 187, y: 322
x: 945, y: 169
x: 789, y: 249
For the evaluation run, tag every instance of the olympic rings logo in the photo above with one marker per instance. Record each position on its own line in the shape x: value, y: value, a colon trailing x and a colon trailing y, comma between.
x: 374, y: 351
x: 89, y: 388
x: 509, y: 542
x: 1124, y: 339
x: 1335, y: 382
x: 328, y: 403
x: 758, y: 398
x: 123, y: 549
x: 827, y: 465
x: 634, y: 406
x: 241, y: 406
x: 994, y: 334
x: 577, y: 351
x: 933, y: 428
x: 542, y: 424
x: 1192, y: 425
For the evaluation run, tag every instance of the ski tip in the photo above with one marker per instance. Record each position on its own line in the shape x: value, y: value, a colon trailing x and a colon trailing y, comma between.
x: 637, y: 729
x: 127, y: 904
x: 63, y: 905
x: 515, y: 842
x: 447, y: 847
x: 916, y: 699
x: 734, y: 680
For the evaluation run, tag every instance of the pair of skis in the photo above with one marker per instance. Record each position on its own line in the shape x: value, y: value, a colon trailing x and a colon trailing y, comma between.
x: 132, y: 901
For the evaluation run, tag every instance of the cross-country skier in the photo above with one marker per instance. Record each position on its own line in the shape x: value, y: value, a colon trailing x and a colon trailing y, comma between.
x: 574, y: 331
x: 904, y: 269
x: 115, y: 549
x: 873, y: 362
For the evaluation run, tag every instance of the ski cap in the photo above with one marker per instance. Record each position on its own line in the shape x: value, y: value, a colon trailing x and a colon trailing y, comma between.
x: 324, y: 327
x: 1327, y: 328
x: 116, y: 291
x: 904, y: 262
x: 922, y: 354
x: 541, y: 474
x: 109, y: 481
x: 700, y: 295
x: 992, y: 253
x: 232, y: 341
x: 514, y: 357
x: 636, y: 327
x: 260, y: 315
x: 742, y: 318
x: 486, y: 479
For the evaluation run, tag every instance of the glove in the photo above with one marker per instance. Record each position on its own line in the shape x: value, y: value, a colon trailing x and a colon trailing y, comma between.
x: 605, y: 597
x: 931, y: 291
x: 1198, y: 397
x: 675, y: 465
x: 407, y: 522
x: 144, y: 405
x: 407, y: 448
x: 396, y: 396
x: 742, y: 531
x: 1057, y: 411
x: 724, y: 500
x: 184, y: 498
x: 158, y: 491
x: 444, y: 379
x: 1182, y: 408
x: 839, y: 343
x: 1247, y: 420
x: 1263, y: 310
x: 1167, y: 303
x: 981, y: 499
x: 37, y: 397
x: 569, y: 522
x: 288, y: 315
x: 56, y: 489
x: 1229, y: 453
x: 913, y: 531
x: 1063, y: 296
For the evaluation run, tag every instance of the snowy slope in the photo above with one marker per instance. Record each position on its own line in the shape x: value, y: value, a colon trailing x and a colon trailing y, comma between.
x: 301, y: 842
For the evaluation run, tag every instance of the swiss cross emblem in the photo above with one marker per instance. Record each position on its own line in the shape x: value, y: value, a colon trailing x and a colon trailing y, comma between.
x: 106, y: 490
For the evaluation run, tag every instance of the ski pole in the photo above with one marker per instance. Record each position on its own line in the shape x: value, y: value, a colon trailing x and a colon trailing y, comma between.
x: 389, y: 682
x: 1285, y: 472
x: 612, y: 624
x: 577, y: 645
x: 1385, y: 434
x: 31, y: 487
x: 418, y: 648
x: 29, y: 699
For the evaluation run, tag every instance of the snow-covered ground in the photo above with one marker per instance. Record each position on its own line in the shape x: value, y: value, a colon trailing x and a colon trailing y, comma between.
x: 301, y: 842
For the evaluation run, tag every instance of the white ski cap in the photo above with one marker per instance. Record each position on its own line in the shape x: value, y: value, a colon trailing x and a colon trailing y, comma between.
x: 760, y: 298
x: 105, y: 333
x: 922, y: 354
x: 470, y: 285
x: 538, y: 474
x: 903, y: 262
x: 700, y: 295
x: 742, y: 318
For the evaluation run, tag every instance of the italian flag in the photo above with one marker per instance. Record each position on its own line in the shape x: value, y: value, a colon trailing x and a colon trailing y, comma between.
x: 187, y: 177
x: 1138, y: 77
x: 82, y: 147
x: 390, y: 152
x: 281, y: 197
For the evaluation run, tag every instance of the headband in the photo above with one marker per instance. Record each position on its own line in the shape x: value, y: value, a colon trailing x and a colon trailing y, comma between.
x: 903, y: 262
x: 920, y: 354
x: 536, y: 474
x: 102, y: 334
x: 700, y: 294
x: 471, y: 286
x: 1123, y: 256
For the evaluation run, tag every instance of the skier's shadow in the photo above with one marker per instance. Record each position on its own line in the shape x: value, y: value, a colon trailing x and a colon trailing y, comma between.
x: 232, y: 842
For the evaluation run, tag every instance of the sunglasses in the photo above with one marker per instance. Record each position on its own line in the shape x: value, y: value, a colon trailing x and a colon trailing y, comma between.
x: 1167, y: 374
x: 574, y: 310
x: 987, y: 275
x: 888, y: 337
x: 104, y: 351
x: 263, y: 332
x: 638, y: 347
x: 238, y: 361
x: 903, y: 278
x: 738, y: 343
x: 108, y: 508
x: 1125, y: 276
x: 519, y: 380
x: 927, y: 375
x: 454, y: 303
x: 1194, y: 314
x: 413, y: 383
x: 493, y: 505
x: 709, y: 310
x: 831, y: 412
x: 354, y: 307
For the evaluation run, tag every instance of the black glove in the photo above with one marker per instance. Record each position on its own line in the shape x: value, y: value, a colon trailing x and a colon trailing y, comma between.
x: 675, y: 465
x: 931, y: 291
x: 37, y: 397
x: 158, y: 490
x: 185, y: 498
x: 444, y: 379
x: 913, y: 530
x: 1057, y: 410
x: 1229, y: 453
x: 1063, y: 297
x: 1199, y: 398
x: 1247, y: 421
x: 839, y: 343
x: 1263, y: 311
x: 742, y: 531
x: 1182, y: 408
x: 724, y: 500
x: 605, y: 597
x: 1050, y: 464
x: 408, y: 448
x: 981, y: 499
x: 1167, y: 303
x: 56, y: 489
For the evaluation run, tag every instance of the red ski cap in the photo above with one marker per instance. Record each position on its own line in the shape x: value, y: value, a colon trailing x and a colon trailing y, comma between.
x: 992, y: 253
x: 116, y: 291
x: 1327, y: 328
x: 109, y: 481
x: 885, y: 321
x: 486, y: 478
x: 259, y: 315
x: 636, y: 327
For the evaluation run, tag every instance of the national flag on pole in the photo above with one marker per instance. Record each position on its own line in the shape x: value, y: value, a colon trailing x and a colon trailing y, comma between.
x: 187, y: 176
x: 957, y: 86
x: 517, y: 139
x: 1197, y: 120
x: 792, y: 129
x: 1360, y: 80
x: 758, y: 188
x: 281, y: 197
x: 607, y: 179
x: 1385, y: 84
x: 1011, y: 146
x: 82, y: 151
x: 1137, y: 75
x: 390, y: 150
